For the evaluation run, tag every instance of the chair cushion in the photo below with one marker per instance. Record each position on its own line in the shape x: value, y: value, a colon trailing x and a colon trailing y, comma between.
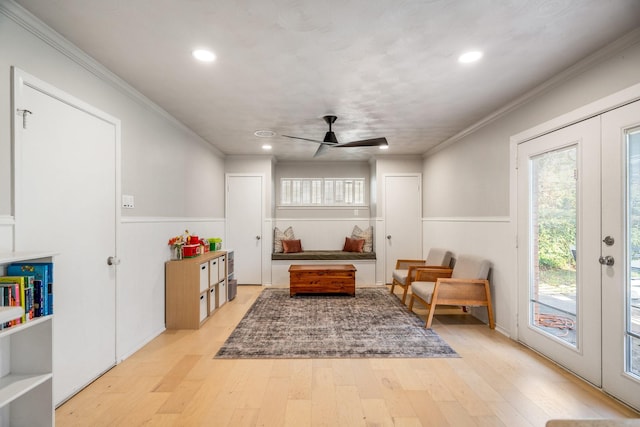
x: 400, y: 275
x: 438, y: 256
x: 424, y: 290
x: 471, y: 267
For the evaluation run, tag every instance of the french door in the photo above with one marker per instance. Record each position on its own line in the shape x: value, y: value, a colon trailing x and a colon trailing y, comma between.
x: 558, y: 270
x: 621, y: 249
x: 579, y: 249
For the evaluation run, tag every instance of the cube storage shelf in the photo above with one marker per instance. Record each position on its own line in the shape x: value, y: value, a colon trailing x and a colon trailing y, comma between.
x: 195, y: 288
x: 26, y: 361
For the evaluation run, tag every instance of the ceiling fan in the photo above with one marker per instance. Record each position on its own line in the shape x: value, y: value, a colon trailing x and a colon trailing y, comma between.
x: 330, y: 139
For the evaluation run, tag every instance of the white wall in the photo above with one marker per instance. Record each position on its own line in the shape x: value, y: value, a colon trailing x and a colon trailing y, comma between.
x: 176, y: 177
x: 466, y: 183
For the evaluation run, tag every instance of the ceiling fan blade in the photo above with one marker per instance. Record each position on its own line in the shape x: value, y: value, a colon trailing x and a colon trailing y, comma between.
x: 321, y: 149
x: 365, y: 143
x: 305, y: 139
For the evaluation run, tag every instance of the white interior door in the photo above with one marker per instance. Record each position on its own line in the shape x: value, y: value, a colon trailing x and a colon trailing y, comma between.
x: 244, y: 218
x: 66, y: 201
x: 558, y: 247
x: 402, y: 219
x: 621, y: 242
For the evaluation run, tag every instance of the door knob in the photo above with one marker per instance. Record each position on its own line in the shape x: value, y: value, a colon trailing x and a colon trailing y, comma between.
x: 257, y: 237
x: 113, y: 261
x: 606, y: 260
x: 388, y: 236
x: 609, y: 241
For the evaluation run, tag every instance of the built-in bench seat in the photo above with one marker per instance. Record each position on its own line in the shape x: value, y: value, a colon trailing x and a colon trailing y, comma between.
x: 365, y: 263
x: 323, y: 255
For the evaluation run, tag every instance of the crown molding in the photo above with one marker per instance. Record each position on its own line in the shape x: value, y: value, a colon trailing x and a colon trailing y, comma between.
x: 38, y: 28
x: 598, y: 56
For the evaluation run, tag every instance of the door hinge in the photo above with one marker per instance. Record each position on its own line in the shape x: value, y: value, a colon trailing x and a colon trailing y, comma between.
x: 24, y: 114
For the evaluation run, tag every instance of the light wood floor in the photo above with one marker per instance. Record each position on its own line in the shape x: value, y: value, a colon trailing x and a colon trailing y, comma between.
x: 174, y: 381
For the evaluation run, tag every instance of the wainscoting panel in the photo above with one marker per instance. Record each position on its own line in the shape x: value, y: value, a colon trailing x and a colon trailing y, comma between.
x: 143, y: 250
x: 491, y: 238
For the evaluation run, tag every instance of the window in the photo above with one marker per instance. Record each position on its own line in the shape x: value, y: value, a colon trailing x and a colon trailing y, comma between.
x: 322, y: 192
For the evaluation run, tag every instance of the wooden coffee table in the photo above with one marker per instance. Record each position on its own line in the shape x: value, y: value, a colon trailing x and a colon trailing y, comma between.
x: 322, y: 279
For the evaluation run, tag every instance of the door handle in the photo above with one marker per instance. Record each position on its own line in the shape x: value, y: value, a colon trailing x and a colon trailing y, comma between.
x: 113, y: 261
x: 609, y: 241
x: 388, y: 236
x: 257, y: 237
x: 606, y: 260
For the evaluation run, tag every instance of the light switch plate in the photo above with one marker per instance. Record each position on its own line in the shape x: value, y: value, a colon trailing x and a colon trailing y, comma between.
x: 127, y: 201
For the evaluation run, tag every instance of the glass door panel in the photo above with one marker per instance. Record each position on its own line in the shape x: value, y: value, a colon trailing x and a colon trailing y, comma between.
x: 553, y: 218
x: 632, y: 294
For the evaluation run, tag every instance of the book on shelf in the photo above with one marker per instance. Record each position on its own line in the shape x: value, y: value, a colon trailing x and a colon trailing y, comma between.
x: 42, y: 271
x: 10, y: 297
x: 38, y: 301
x: 25, y: 293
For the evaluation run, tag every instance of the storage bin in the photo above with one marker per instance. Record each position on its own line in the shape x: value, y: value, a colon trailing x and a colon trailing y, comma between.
x: 204, y: 276
x: 203, y: 307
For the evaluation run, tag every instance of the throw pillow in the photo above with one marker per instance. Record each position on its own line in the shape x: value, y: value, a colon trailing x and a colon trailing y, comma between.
x: 366, y: 234
x: 353, y: 245
x: 291, y: 246
x: 279, y: 236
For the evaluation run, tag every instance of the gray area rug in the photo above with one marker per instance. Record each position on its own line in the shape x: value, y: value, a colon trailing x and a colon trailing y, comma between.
x: 374, y: 323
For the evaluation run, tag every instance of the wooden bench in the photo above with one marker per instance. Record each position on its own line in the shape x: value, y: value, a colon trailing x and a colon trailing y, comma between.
x: 322, y: 279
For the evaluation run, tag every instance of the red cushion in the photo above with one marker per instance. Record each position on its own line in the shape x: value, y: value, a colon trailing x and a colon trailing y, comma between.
x: 353, y: 245
x: 291, y: 246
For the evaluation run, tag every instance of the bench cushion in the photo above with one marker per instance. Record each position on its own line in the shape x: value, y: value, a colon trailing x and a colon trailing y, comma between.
x: 324, y: 255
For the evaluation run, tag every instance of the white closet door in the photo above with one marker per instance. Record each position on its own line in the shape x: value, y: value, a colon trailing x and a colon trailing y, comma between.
x: 402, y: 219
x: 244, y: 217
x: 66, y: 202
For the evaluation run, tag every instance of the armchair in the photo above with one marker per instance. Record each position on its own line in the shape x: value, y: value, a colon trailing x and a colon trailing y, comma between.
x: 466, y: 285
x: 405, y: 271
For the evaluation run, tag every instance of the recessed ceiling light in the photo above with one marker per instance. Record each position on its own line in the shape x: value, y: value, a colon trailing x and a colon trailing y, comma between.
x: 468, y: 57
x: 204, y: 55
x: 266, y: 147
x: 264, y: 133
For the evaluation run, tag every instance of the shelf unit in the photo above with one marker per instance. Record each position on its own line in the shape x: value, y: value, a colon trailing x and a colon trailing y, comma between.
x: 26, y: 361
x: 194, y: 289
x: 232, y: 283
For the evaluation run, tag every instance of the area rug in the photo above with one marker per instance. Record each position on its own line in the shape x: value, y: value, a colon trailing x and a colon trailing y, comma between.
x: 374, y: 323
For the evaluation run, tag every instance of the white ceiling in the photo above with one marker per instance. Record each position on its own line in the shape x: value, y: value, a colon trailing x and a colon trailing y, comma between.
x: 384, y: 67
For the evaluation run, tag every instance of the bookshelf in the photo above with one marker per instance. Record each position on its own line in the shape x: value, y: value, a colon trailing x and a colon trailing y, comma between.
x: 26, y: 360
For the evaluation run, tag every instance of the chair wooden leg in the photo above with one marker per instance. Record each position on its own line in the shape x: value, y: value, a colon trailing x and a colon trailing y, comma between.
x: 411, y: 303
x: 404, y: 293
x: 393, y: 285
x: 492, y: 322
x: 432, y: 310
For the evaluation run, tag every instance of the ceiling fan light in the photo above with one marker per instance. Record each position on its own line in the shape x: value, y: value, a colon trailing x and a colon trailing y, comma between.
x: 469, y: 57
x: 204, y: 55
